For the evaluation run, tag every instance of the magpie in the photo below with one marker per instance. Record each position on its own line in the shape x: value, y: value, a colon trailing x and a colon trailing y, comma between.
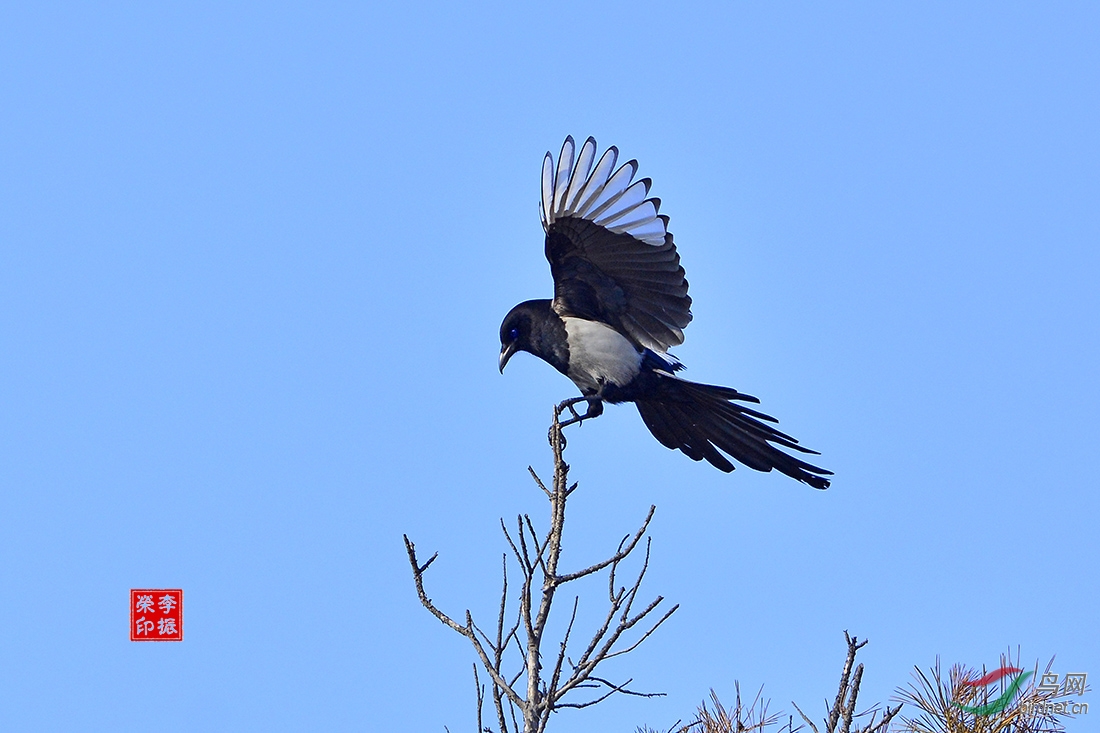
x: 620, y: 302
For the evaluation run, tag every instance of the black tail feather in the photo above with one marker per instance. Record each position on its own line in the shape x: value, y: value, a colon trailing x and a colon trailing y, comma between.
x: 683, y: 436
x: 700, y: 420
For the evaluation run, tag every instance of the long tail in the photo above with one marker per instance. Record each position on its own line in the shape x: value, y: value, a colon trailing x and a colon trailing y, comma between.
x: 700, y: 419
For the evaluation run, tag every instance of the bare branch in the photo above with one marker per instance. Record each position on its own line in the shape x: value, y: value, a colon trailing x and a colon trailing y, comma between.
x: 538, y: 481
x: 556, y: 676
x: 644, y: 636
x: 480, y: 692
x: 418, y: 577
x: 843, y: 710
x: 808, y: 721
x: 612, y: 689
x: 467, y: 630
x: 515, y: 550
x: 850, y: 708
x: 617, y: 557
x: 540, y: 556
x: 845, y: 675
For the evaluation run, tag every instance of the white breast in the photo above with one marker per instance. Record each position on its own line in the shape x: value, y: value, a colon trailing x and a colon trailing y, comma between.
x: 598, y: 355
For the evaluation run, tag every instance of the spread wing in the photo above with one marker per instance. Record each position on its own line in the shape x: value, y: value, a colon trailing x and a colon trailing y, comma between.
x: 610, y: 252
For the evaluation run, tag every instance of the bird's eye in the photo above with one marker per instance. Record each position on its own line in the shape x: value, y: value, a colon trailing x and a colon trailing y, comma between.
x: 513, y: 334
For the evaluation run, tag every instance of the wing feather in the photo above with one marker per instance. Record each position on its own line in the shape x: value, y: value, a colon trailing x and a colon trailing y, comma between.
x: 626, y: 204
x: 547, y: 189
x: 580, y: 175
x: 595, y: 183
x: 610, y: 252
x: 564, y: 176
x: 645, y: 231
x: 615, y: 188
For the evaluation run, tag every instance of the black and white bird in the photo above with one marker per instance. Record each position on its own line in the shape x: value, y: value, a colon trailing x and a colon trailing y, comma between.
x: 620, y: 302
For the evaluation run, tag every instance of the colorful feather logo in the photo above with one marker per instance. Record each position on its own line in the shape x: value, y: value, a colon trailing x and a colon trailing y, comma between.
x: 1001, y: 702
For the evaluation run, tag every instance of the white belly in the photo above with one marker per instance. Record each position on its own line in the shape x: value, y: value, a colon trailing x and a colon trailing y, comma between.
x: 599, y: 355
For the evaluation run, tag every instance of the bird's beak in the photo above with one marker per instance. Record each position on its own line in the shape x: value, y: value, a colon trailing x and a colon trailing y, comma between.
x: 506, y: 354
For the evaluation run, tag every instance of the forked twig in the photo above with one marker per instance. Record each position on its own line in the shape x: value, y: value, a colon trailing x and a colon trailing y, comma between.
x: 843, y: 710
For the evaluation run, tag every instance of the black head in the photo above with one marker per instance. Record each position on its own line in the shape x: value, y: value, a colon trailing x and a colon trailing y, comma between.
x: 516, y: 332
x: 534, y: 327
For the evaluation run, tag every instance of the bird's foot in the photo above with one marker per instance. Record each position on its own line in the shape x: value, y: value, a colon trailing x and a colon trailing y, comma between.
x: 595, y: 409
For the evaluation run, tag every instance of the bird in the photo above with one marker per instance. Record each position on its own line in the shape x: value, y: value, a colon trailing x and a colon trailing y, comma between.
x: 620, y: 303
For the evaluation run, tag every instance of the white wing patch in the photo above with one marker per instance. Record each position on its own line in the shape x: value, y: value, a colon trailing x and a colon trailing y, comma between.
x: 607, y: 199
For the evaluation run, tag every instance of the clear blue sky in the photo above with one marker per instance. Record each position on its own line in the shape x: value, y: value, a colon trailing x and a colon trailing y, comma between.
x: 253, y: 260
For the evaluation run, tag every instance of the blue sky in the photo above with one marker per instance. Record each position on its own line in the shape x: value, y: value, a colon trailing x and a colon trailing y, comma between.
x: 253, y: 264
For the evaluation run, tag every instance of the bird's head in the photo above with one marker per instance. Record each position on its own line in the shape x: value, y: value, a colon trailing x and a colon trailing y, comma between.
x: 515, y: 333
